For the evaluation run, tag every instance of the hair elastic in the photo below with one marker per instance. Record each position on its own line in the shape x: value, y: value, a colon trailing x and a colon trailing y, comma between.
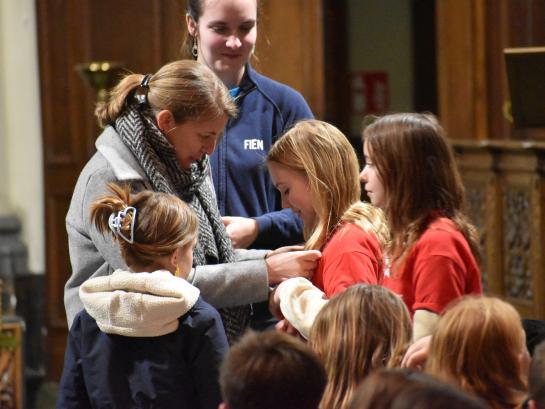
x: 115, y: 223
x: 146, y: 80
x: 142, y: 93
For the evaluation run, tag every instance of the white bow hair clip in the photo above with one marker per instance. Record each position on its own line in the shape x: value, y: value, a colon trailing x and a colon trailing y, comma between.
x: 115, y: 222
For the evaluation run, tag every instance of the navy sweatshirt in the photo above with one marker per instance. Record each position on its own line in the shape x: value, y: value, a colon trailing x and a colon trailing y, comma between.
x: 243, y: 186
x: 178, y: 370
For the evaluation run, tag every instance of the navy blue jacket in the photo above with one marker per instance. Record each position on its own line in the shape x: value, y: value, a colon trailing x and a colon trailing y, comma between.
x: 177, y: 370
x: 243, y: 187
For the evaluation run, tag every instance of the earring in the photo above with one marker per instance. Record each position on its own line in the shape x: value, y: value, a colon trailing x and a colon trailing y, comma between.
x: 177, y: 272
x: 194, y: 48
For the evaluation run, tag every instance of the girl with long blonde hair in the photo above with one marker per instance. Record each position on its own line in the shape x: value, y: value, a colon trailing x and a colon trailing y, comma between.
x: 479, y: 345
x: 410, y: 173
x: 360, y: 330
x: 316, y: 171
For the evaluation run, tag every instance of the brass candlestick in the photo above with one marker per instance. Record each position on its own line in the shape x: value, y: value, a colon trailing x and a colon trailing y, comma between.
x: 101, y: 75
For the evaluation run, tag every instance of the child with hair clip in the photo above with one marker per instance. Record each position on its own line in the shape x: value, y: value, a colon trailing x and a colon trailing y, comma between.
x: 365, y: 328
x: 145, y: 338
x: 411, y: 174
x: 316, y: 171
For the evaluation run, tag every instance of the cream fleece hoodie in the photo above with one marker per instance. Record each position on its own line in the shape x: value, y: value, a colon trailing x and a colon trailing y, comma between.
x: 300, y: 303
x: 138, y: 304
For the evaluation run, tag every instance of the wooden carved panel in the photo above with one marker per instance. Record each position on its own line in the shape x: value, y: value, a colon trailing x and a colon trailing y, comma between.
x: 505, y: 185
x: 520, y: 167
x: 538, y: 234
x: 517, y: 243
x: 476, y: 195
x: 11, y: 365
x: 476, y: 169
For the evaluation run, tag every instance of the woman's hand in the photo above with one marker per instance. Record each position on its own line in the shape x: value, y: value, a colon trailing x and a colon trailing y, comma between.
x: 241, y: 230
x: 281, y: 266
x: 274, y: 304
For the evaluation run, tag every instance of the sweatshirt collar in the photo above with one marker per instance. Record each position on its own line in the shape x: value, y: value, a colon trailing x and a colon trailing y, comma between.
x: 247, y: 84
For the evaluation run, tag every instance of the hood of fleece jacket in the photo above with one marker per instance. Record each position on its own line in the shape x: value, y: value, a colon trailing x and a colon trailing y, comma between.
x: 138, y: 304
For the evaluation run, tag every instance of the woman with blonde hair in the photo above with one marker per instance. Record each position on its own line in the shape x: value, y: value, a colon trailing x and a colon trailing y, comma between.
x: 145, y: 337
x: 316, y: 171
x: 159, y: 132
x: 411, y: 174
x: 479, y: 345
x: 360, y: 330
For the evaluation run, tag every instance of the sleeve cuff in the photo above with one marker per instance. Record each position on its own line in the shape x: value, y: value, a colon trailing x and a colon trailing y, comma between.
x: 300, y: 303
x: 264, y: 223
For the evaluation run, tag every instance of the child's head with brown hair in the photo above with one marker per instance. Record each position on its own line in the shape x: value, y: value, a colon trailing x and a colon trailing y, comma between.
x: 316, y: 171
x: 154, y: 230
x: 411, y: 174
x: 359, y: 330
x: 271, y: 370
x: 406, y: 389
x: 479, y: 345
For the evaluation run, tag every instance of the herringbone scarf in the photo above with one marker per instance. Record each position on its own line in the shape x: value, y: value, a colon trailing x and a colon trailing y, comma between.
x: 158, y: 159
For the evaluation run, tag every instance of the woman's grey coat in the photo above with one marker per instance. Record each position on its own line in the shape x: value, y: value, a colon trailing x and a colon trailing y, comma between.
x: 92, y: 254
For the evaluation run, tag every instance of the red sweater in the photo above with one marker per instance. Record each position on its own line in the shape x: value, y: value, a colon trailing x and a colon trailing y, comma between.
x: 439, y: 268
x: 351, y: 256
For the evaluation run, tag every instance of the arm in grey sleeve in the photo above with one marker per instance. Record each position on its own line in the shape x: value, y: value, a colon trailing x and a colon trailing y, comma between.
x: 243, y: 254
x: 230, y: 284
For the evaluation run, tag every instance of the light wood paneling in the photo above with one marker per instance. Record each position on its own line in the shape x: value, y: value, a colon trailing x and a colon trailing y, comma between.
x: 472, y: 81
x: 290, y: 47
x: 462, y: 93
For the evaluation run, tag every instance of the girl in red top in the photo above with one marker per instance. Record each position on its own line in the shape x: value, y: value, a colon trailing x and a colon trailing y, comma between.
x: 316, y: 171
x: 411, y: 174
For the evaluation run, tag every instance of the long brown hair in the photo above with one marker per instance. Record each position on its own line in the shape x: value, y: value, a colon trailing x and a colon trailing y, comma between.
x: 188, y: 89
x: 359, y: 330
x: 323, y: 154
x: 477, y: 345
x: 163, y: 223
x: 416, y: 166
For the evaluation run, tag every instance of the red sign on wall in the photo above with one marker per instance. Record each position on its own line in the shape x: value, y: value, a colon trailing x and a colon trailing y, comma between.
x: 370, y: 92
